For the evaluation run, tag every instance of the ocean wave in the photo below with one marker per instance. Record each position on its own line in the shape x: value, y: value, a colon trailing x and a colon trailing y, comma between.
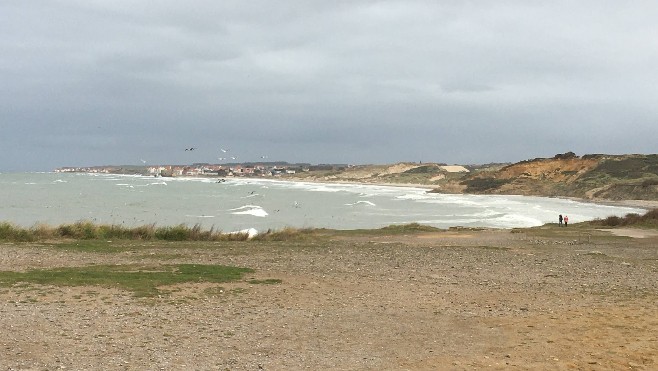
x: 361, y: 203
x: 515, y: 221
x: 253, y: 210
x: 414, y: 197
x: 253, y: 195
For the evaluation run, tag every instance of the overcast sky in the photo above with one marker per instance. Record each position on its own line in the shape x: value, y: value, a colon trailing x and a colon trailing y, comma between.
x: 101, y: 82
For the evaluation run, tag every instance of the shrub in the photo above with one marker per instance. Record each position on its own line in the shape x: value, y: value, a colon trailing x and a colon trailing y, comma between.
x: 285, y: 234
x: 483, y: 184
x: 651, y: 215
x: 649, y: 182
x: 42, y: 232
x: 11, y: 232
x: 649, y: 219
x: 611, y: 221
x: 409, y: 228
x: 175, y: 233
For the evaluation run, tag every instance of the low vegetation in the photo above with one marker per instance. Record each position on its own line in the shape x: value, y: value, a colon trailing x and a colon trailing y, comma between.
x: 408, y: 228
x: 93, y: 232
x: 85, y: 230
x: 478, y: 185
x: 648, y: 220
x: 142, y: 281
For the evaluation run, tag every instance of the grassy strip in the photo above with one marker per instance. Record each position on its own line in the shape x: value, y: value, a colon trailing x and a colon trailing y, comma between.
x: 90, y: 231
x: 143, y: 281
x: 85, y: 230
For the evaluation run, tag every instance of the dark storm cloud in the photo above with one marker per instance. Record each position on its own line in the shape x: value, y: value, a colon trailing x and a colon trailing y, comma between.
x: 100, y: 82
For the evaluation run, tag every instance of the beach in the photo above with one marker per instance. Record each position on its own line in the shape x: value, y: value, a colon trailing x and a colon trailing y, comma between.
x: 460, y: 299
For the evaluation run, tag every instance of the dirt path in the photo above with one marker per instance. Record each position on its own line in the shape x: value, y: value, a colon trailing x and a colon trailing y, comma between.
x: 452, y: 301
x: 632, y: 232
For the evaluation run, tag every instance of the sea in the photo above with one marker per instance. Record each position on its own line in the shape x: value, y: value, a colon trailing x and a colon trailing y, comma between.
x: 238, y: 204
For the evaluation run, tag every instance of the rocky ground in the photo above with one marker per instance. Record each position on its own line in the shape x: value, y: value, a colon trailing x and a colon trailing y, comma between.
x: 448, y: 300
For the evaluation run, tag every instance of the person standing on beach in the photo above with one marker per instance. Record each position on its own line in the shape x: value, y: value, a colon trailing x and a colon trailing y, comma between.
x: 566, y: 220
x: 560, y: 220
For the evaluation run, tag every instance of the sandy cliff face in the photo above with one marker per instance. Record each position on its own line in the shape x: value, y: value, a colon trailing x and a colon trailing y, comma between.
x: 590, y: 176
x: 549, y: 170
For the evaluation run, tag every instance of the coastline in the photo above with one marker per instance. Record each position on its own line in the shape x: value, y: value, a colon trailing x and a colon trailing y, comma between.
x: 381, y: 184
x: 641, y: 204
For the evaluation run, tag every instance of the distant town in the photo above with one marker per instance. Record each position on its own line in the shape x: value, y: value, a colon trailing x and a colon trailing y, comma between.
x: 269, y: 169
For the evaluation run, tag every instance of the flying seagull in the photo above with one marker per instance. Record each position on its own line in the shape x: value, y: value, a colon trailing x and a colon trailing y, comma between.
x: 190, y: 149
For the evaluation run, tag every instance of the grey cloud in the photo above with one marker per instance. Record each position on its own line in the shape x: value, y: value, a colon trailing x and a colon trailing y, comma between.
x: 347, y: 81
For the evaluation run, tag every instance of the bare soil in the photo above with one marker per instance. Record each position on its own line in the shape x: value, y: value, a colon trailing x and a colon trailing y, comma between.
x: 454, y: 300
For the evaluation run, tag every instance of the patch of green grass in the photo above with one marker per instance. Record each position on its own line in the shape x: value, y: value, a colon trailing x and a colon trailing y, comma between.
x: 143, y: 281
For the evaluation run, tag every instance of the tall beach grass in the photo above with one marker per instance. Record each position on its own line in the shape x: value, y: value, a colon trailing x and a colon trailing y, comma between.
x: 85, y: 230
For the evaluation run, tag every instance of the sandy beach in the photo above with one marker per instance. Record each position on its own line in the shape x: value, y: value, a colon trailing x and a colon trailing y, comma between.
x: 558, y: 299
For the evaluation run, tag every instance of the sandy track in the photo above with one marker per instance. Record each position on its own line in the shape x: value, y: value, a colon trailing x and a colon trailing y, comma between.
x: 633, y: 232
x: 470, y: 300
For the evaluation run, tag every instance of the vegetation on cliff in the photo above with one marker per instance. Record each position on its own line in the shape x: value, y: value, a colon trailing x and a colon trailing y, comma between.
x: 594, y: 176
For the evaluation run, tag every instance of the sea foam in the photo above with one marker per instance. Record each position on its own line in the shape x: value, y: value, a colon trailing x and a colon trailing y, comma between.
x: 361, y: 203
x: 253, y: 210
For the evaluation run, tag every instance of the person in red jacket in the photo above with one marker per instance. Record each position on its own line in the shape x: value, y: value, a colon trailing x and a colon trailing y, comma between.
x: 566, y: 220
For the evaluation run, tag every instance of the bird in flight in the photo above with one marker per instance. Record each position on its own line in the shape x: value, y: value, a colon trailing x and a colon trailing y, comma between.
x: 190, y: 149
x: 223, y: 150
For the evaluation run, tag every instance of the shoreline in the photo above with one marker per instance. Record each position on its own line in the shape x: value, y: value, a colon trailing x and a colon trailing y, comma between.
x: 381, y: 184
x: 641, y: 204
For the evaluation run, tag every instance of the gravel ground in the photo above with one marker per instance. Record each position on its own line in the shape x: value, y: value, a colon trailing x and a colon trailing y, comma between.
x: 449, y: 300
